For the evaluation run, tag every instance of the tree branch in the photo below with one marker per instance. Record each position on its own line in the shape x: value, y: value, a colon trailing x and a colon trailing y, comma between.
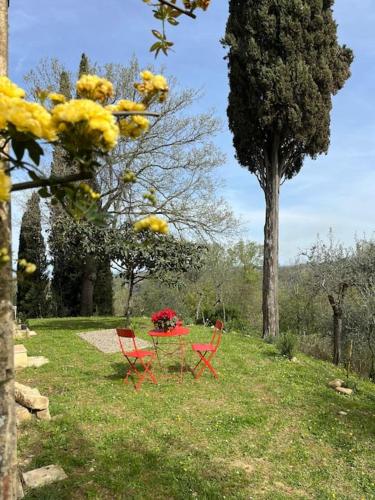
x: 176, y: 7
x: 120, y: 114
x: 52, y: 181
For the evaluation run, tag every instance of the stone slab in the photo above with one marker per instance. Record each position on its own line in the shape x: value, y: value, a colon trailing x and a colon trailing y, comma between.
x: 45, y: 475
x: 22, y: 414
x: 344, y: 390
x: 107, y: 341
x: 29, y: 397
x: 37, y: 361
x: 20, y: 356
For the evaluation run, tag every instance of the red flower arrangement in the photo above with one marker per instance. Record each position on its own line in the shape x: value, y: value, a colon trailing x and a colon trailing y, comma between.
x: 164, y: 319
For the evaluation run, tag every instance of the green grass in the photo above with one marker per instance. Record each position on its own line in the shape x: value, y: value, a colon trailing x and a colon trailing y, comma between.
x: 269, y: 428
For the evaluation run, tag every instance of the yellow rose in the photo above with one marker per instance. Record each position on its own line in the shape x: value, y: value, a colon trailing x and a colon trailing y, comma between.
x: 5, y: 185
x: 26, y: 117
x: 95, y: 88
x: 56, y: 98
x: 84, y: 124
x: 10, y: 89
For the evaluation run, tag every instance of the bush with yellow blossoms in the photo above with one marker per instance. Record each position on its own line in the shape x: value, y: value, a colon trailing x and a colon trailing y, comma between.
x: 87, y: 128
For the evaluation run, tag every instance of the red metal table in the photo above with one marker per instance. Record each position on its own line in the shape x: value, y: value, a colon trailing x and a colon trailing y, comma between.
x: 178, y: 333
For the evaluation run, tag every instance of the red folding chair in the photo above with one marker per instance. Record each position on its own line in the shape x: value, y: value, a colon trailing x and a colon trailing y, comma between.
x: 134, y: 356
x: 207, y: 351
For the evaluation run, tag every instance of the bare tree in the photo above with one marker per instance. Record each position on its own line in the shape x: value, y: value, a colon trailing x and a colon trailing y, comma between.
x: 332, y: 274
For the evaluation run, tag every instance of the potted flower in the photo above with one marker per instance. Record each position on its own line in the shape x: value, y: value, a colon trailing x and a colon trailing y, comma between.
x: 164, y: 320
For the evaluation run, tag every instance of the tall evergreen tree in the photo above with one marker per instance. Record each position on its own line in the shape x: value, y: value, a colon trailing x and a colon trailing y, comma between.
x: 32, y: 288
x: 284, y: 66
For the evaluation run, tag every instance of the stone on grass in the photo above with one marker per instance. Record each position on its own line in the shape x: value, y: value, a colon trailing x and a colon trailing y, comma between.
x: 20, y: 356
x: 43, y: 414
x: 45, y: 475
x: 37, y: 361
x: 30, y: 398
x: 336, y: 383
x: 343, y: 413
x: 344, y: 390
x: 31, y: 333
x: 22, y: 414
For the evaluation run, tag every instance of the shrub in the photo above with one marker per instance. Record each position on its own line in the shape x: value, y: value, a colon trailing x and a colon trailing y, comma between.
x: 287, y: 344
x: 237, y: 325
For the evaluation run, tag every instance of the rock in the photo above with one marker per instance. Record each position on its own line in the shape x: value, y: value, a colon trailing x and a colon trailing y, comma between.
x: 37, y: 361
x: 31, y: 333
x: 30, y: 398
x: 20, y: 356
x: 43, y: 476
x: 22, y: 414
x: 43, y: 414
x: 344, y: 390
x: 343, y: 413
x: 19, y: 492
x: 335, y: 383
x: 294, y: 359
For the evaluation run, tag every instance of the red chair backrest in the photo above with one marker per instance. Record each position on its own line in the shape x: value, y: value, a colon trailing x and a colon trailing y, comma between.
x: 217, y: 333
x: 128, y: 334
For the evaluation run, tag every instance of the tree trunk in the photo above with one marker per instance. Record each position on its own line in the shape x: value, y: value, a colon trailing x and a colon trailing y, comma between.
x: 8, y: 442
x: 271, y: 249
x: 129, y: 301
x: 88, y: 285
x: 337, y: 335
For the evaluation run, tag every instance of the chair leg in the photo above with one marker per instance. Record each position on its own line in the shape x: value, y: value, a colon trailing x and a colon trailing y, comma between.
x: 148, y: 372
x: 207, y: 364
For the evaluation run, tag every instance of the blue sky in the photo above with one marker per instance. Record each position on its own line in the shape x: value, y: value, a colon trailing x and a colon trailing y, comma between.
x: 336, y: 190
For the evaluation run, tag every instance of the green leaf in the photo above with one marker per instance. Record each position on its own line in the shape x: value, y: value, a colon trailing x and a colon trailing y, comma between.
x: 172, y: 21
x: 44, y: 193
x: 157, y: 34
x: 18, y: 148
x: 35, y: 151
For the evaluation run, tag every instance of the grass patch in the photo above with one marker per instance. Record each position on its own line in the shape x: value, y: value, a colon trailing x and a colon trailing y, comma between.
x: 269, y: 428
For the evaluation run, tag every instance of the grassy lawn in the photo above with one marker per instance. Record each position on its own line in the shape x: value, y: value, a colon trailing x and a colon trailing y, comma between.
x: 269, y: 428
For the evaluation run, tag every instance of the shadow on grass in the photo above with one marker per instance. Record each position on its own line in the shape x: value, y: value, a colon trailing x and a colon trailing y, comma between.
x: 76, y: 324
x: 131, y: 468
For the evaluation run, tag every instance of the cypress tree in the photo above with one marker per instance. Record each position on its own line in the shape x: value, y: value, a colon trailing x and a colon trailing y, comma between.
x: 285, y: 64
x: 84, y: 66
x: 32, y: 288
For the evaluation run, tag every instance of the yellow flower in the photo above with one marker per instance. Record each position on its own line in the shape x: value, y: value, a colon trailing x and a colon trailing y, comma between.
x: 26, y: 267
x: 5, y: 185
x: 133, y: 126
x: 30, y: 268
x: 160, y: 83
x: 146, y: 75
x: 4, y: 256
x: 152, y: 86
x: 26, y: 117
x: 84, y: 124
x: 95, y: 88
x: 129, y: 177
x: 56, y: 98
x: 10, y: 89
x: 126, y: 105
x: 153, y: 224
x: 89, y: 191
